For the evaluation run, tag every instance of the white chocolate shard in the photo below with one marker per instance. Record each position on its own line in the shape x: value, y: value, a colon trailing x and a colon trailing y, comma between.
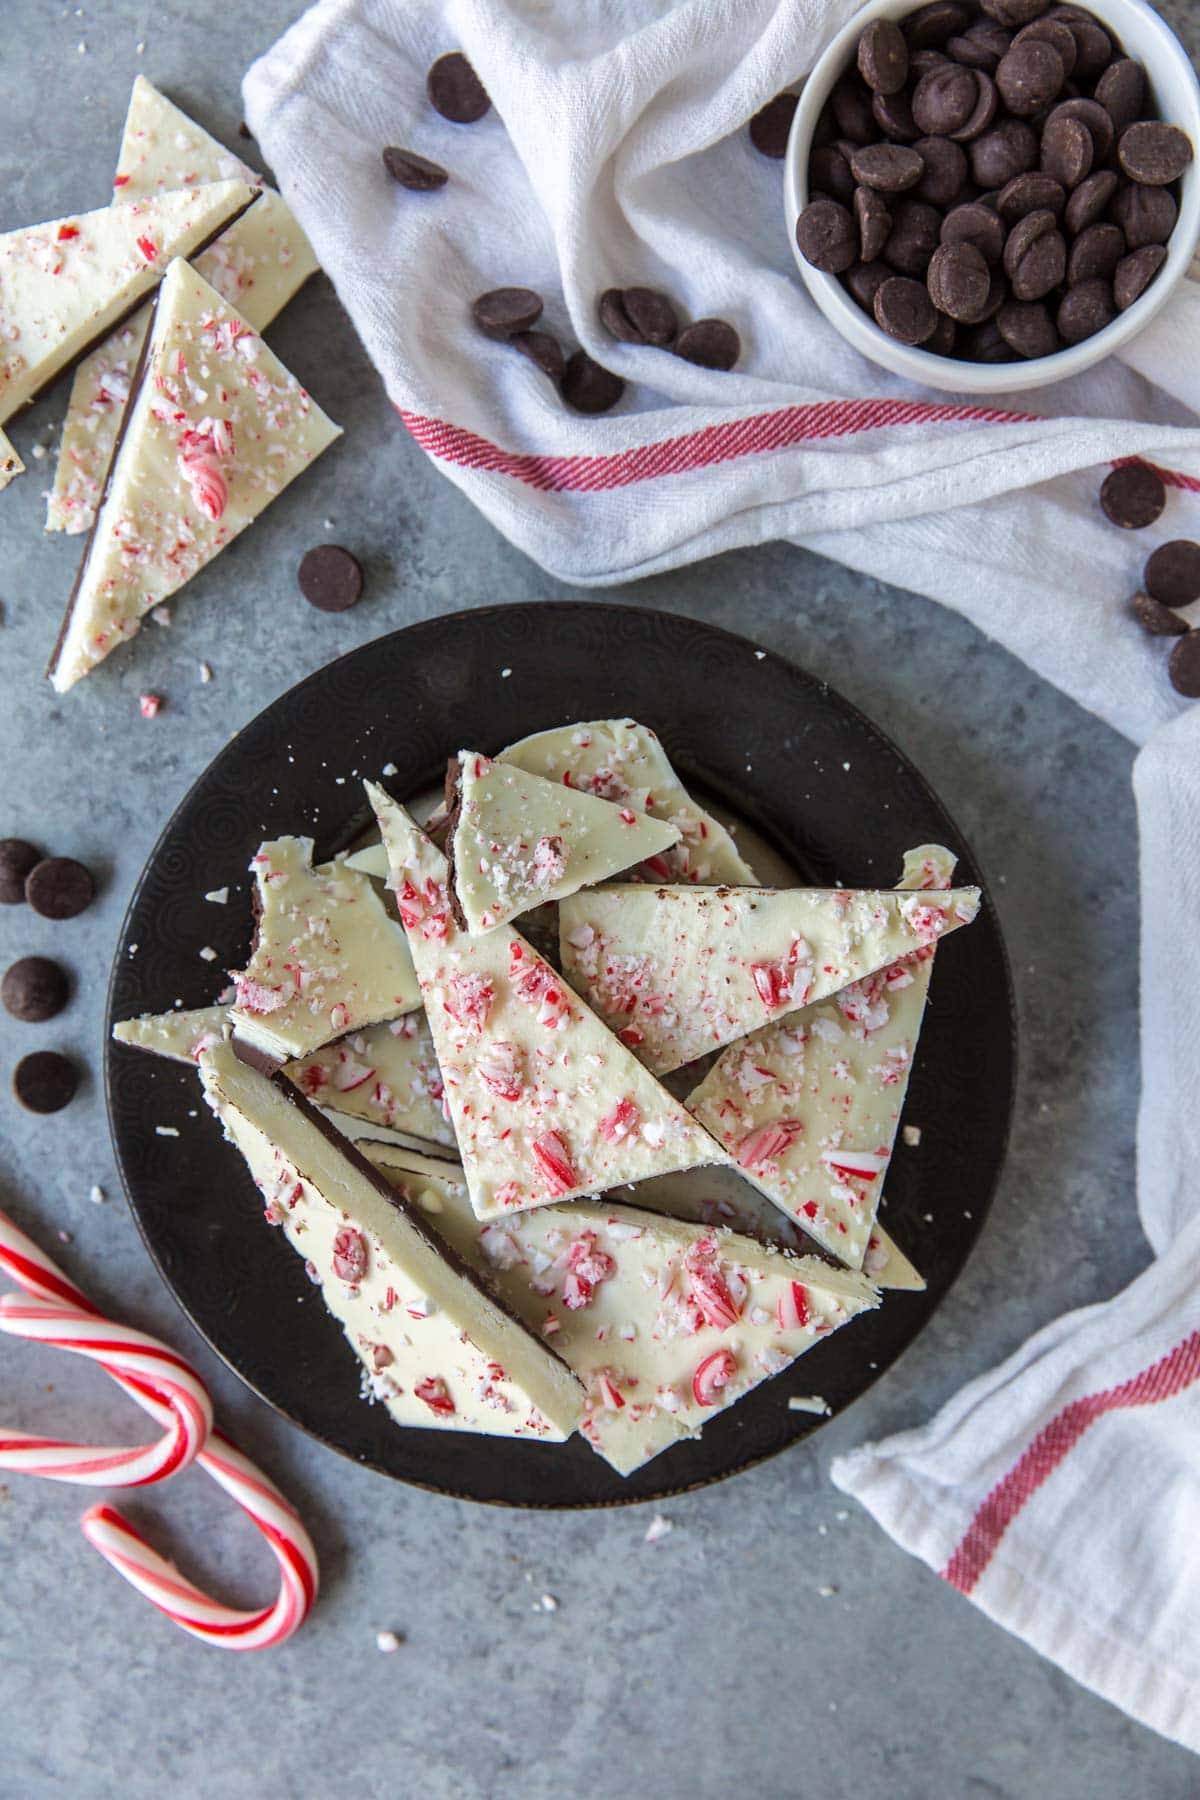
x: 180, y: 1036
x: 257, y: 265
x: 438, y: 1350
x: 521, y: 840
x: 328, y: 958
x: 65, y: 284
x: 886, y: 1265
x: 10, y: 463
x: 379, y: 1082
x: 216, y: 429
x: 679, y: 972
x: 546, y: 1103
x: 666, y: 1323
x: 622, y: 761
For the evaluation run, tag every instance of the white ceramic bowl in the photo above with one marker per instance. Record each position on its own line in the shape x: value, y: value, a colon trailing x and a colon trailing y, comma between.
x: 1142, y: 35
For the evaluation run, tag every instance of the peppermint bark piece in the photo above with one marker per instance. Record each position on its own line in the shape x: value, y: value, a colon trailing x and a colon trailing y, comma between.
x: 10, y: 463
x: 439, y: 1351
x: 546, y: 1103
x: 622, y: 761
x: 809, y: 1105
x: 678, y: 972
x: 216, y: 428
x: 887, y: 1267
x: 381, y: 1083
x: 666, y: 1323
x: 65, y: 284
x: 519, y: 840
x: 327, y: 960
x: 257, y: 265
x: 179, y: 1036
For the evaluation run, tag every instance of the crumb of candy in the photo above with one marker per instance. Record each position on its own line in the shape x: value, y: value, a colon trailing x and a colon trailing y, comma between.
x: 161, y: 615
x: 826, y: 1593
x: 208, y: 954
x: 39, y: 450
x: 657, y: 1528
x: 808, y: 1403
x: 218, y: 896
x: 759, y: 655
x: 64, y: 1237
x: 504, y: 674
x: 97, y: 1196
x: 206, y: 673
x: 841, y: 1515
x: 912, y: 1136
x: 388, y: 769
x: 387, y: 1641
x: 928, y: 1218
x: 166, y: 1131
x: 846, y: 766
x: 150, y: 705
x: 547, y: 1603
x: 822, y: 1531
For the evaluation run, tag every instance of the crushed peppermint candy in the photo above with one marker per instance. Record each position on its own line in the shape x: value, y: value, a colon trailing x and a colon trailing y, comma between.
x: 150, y: 705
x: 809, y: 1403
x: 166, y: 1131
x: 208, y: 954
x: 387, y: 1641
x: 912, y: 1136
x: 206, y: 673
x: 658, y: 1528
x: 97, y: 1195
x: 547, y: 1604
x: 218, y: 896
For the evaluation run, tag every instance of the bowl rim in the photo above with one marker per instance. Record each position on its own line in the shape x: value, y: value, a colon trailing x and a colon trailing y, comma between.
x: 953, y: 373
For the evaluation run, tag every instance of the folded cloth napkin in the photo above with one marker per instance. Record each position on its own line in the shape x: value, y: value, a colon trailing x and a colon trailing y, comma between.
x: 616, y: 153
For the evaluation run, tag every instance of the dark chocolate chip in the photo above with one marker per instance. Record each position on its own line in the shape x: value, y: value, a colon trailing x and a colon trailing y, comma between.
x: 1156, y: 618
x: 1067, y: 151
x: 45, y: 1082
x: 883, y: 57
x: 330, y: 578
x: 942, y: 338
x: 984, y: 343
x: 1093, y: 46
x: 1012, y: 12
x: 904, y: 310
x: 1006, y: 150
x: 1092, y: 114
x: 933, y: 24
x: 874, y: 222
x: 827, y: 236
x: 945, y: 99
x: 1030, y: 76
x: 588, y: 387
x: 1184, y: 666
x: 959, y: 282
x: 1146, y: 215
x: 829, y: 173
x: 985, y: 110
x: 1132, y: 496
x: 1134, y: 273
x: 889, y: 168
x: 639, y: 315
x: 1031, y: 192
x: 455, y: 90
x: 864, y: 281
x: 1173, y: 573
x: 1121, y: 91
x: 503, y: 310
x: 59, y: 887
x: 1055, y: 32
x: 975, y: 223
x: 851, y: 101
x: 893, y: 115
x: 413, y: 171
x: 615, y: 319
x: 771, y: 126
x: 542, y: 348
x: 1027, y: 327
x: 34, y: 989
x: 16, y: 859
x: 980, y: 47
x: 710, y: 343
x: 1085, y: 310
x: 945, y: 171
x: 1154, y: 153
x: 914, y: 237
x: 921, y: 61
x: 1087, y: 202
x: 1035, y: 256
x: 1096, y: 251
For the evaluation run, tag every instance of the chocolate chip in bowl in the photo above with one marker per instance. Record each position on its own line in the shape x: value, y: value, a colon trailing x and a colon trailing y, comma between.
x: 1056, y: 141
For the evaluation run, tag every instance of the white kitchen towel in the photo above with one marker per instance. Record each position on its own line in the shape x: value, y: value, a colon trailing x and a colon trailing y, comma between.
x: 616, y: 153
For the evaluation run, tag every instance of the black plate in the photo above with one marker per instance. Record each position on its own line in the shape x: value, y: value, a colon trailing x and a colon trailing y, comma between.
x: 411, y: 700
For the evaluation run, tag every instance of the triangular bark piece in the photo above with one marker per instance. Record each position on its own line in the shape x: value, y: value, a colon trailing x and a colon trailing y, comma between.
x: 546, y: 1103
x: 10, y: 463
x: 382, y: 1083
x: 679, y: 972
x: 179, y: 1036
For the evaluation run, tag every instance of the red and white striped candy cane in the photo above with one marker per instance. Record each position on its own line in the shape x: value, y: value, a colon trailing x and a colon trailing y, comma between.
x: 189, y: 1607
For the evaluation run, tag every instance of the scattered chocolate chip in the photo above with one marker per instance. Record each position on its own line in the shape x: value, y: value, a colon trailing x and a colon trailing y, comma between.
x: 1121, y: 91
x: 1146, y: 215
x: 893, y: 115
x: 829, y: 174
x: 503, y: 310
x: 45, y: 1082
x: 1006, y: 150
x: 1027, y: 327
x: 639, y: 315
x: 1087, y: 202
x: 851, y: 102
x: 59, y: 887
x: 455, y: 90
x: 1096, y: 251
x: 413, y: 171
x: 1067, y: 151
x: 770, y: 126
x: 1085, y: 310
x: 1132, y: 496
x: 1156, y: 618
x: 589, y: 387
x: 827, y: 236
x: 16, y: 859
x: 874, y: 222
x: 889, y: 168
x: 34, y: 989
x: 883, y: 57
x: 975, y: 223
x: 1173, y: 573
x: 945, y: 99
x: 914, y: 237
x: 1154, y: 153
x: 543, y: 349
x: 1030, y: 76
x: 945, y: 170
x: 959, y: 282
x: 1031, y: 192
x: 1035, y: 256
x: 864, y: 281
x: 1134, y: 273
x: 904, y: 310
x: 330, y: 578
x: 1184, y: 666
x: 710, y: 343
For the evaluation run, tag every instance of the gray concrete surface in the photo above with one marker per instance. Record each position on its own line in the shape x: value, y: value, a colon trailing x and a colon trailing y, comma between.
x: 710, y: 1659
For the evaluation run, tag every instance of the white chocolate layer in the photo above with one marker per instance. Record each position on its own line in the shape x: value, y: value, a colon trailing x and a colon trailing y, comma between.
x: 386, y: 1079
x: 257, y: 265
x: 215, y: 431
x: 651, y: 1313
x: 68, y: 282
x: 679, y: 972
x: 622, y: 761
x: 180, y: 1036
x: 328, y: 959
x: 438, y: 1351
x: 809, y: 1105
x: 521, y: 840
x: 546, y: 1103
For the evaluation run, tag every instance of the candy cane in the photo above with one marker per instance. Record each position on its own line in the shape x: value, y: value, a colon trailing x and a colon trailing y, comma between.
x: 162, y: 1584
